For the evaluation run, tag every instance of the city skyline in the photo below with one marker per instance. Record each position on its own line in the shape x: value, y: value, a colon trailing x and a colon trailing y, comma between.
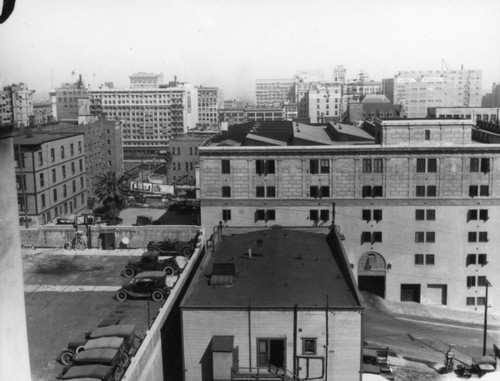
x: 231, y: 44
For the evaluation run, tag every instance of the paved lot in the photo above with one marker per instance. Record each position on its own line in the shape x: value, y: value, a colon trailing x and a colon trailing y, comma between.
x: 57, y: 310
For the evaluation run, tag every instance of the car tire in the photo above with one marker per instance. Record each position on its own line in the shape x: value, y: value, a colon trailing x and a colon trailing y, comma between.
x: 80, y: 348
x: 157, y: 295
x: 121, y: 295
x: 66, y: 357
x: 187, y: 251
x: 129, y: 272
x: 169, y: 270
x: 123, y: 359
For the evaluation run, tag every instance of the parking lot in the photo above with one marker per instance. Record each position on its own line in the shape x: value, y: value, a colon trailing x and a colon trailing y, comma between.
x: 68, y: 293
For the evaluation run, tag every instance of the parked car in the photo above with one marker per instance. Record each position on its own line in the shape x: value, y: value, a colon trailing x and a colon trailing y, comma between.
x: 114, y: 336
x: 88, y: 372
x: 116, y: 359
x: 150, y: 261
x: 174, y: 247
x: 148, y: 284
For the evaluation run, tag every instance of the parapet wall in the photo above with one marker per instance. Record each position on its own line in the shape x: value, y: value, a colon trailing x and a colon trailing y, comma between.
x: 107, y: 237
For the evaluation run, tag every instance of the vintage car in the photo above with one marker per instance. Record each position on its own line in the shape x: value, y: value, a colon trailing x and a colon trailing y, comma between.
x: 174, y: 247
x: 151, y: 261
x: 148, y: 284
x: 88, y: 372
x: 120, y: 336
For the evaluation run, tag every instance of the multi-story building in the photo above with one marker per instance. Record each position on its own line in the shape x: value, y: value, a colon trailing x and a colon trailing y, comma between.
x: 270, y: 91
x: 278, y: 304
x: 208, y: 106
x: 232, y: 115
x: 492, y: 99
x: 487, y: 114
x: 50, y: 175
x: 67, y: 97
x: 263, y: 113
x: 417, y: 200
x: 372, y: 106
x: 290, y: 111
x: 185, y: 159
x: 16, y: 105
x: 324, y: 102
x: 150, y: 117
x: 147, y: 80
x: 339, y: 73
x: 102, y: 146
x: 42, y: 112
x: 356, y: 90
x: 418, y: 90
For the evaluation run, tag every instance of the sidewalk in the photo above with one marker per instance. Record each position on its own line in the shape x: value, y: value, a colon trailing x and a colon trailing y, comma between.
x: 443, y: 313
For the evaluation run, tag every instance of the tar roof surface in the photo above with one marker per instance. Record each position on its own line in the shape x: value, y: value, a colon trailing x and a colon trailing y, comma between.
x: 287, y: 268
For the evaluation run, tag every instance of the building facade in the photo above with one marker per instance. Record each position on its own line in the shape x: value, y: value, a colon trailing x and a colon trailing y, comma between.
x: 487, y: 114
x: 42, y: 112
x: 265, y: 313
x: 147, y: 80
x: 324, y: 102
x: 185, y: 159
x: 102, y: 146
x: 208, y: 106
x: 16, y: 105
x: 67, y: 97
x: 150, y: 117
x: 418, y: 90
x: 50, y: 175
x: 270, y: 91
x: 418, y: 204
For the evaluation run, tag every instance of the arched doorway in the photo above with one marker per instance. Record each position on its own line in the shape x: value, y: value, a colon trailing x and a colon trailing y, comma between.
x: 371, y: 273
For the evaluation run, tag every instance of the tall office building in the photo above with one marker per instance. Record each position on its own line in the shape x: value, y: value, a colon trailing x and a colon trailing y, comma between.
x: 418, y: 90
x: 324, y: 102
x: 16, y: 105
x: 67, y: 97
x: 150, y: 117
x: 271, y: 91
x: 208, y: 106
x: 417, y: 200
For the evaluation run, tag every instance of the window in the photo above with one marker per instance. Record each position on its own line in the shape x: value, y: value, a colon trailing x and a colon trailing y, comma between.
x: 73, y: 168
x: 483, y: 236
x: 429, y: 259
x: 421, y: 237
x: 371, y: 237
x: 472, y: 237
x: 325, y: 166
x: 420, y: 214
x: 55, y: 194
x: 477, y: 164
x: 366, y: 237
x: 260, y: 192
x: 484, y: 190
x: 42, y: 180
x: 378, y: 166
x: 427, y: 134
x: 308, y: 346
x: 430, y: 237
x: 471, y: 281
x: 325, y: 191
x: 271, y: 191
x: 367, y: 166
x: 40, y: 158
x: 72, y: 149
x: 62, y: 152
x: 483, y: 214
x: 367, y: 215
x: 482, y: 259
x: 226, y: 215
x: 431, y: 191
x: 81, y: 165
x: 270, y: 215
x: 226, y: 166
x: 470, y: 259
x: 377, y: 215
x: 313, y: 215
x: 52, y: 155
x: 43, y: 200
x: 473, y: 190
x: 367, y: 191
x: 65, y: 190
x: 470, y: 301
x: 481, y: 300
x: 481, y: 281
x: 314, y: 192
x: 420, y: 165
x: 264, y: 167
x: 425, y: 191
x: 226, y: 191
x: 325, y: 215
x: 265, y: 215
x: 81, y: 182
x: 376, y: 237
x: 426, y: 165
x: 54, y: 176
x: 313, y: 166
x: 419, y: 259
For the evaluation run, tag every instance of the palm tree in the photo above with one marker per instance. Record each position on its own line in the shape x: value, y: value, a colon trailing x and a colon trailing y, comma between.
x: 111, y: 192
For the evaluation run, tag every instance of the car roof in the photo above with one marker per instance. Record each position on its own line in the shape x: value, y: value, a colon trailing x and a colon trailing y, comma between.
x: 104, y: 342
x: 150, y: 274
x: 95, y: 371
x: 92, y: 356
x: 119, y: 330
x: 150, y: 254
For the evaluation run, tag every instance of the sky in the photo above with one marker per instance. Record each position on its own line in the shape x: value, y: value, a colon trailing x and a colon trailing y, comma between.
x: 231, y: 43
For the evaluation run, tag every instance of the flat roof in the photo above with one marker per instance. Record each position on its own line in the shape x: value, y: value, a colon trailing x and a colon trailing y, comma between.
x: 287, y: 268
x: 38, y: 138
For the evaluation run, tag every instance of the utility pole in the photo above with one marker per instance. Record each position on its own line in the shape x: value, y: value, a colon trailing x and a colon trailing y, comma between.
x: 486, y: 284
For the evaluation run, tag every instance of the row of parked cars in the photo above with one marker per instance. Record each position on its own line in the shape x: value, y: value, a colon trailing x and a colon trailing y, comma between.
x: 104, y: 353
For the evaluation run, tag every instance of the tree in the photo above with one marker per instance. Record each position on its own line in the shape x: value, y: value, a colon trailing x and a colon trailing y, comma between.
x: 111, y: 193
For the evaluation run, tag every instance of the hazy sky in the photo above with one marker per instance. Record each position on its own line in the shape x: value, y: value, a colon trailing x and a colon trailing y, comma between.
x: 230, y: 43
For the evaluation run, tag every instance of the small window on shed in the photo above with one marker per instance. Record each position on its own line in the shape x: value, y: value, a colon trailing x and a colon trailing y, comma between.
x: 309, y: 346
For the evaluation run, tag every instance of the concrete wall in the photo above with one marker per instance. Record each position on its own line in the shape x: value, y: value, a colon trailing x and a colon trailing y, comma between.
x: 139, y: 236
